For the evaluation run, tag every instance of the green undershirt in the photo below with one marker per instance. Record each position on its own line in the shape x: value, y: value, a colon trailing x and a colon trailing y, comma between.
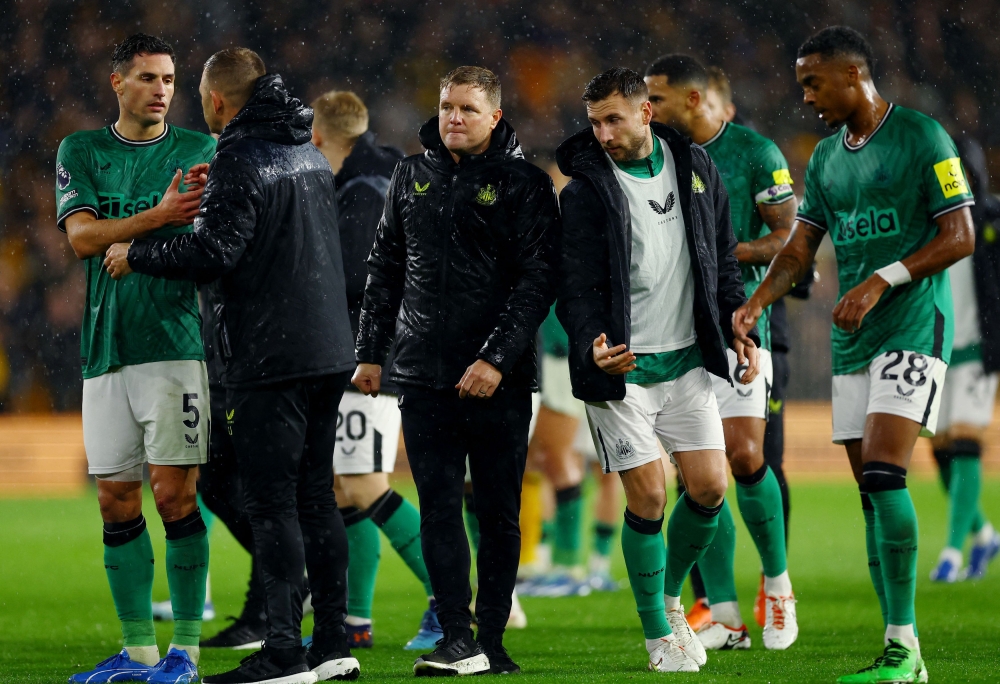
x: 665, y: 366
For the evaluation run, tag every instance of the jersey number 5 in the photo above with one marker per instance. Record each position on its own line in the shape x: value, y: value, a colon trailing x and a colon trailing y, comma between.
x: 188, y: 407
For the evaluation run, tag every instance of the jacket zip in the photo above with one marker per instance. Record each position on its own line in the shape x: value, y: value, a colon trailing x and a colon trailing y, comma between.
x: 444, y: 264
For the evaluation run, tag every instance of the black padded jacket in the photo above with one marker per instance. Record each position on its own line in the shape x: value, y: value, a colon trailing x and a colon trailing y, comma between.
x: 463, y: 266
x: 267, y: 230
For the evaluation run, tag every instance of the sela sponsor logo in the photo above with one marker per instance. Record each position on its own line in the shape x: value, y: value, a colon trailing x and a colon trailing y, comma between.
x: 67, y: 197
x: 113, y: 205
x: 62, y: 177
x: 624, y: 449
x: 951, y: 177
x: 666, y: 207
x: 875, y: 223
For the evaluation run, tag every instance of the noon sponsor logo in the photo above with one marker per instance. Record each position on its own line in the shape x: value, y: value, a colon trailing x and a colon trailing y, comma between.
x: 874, y: 223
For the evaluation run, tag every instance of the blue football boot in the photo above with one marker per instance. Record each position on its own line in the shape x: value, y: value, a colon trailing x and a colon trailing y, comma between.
x: 175, y: 668
x: 430, y: 631
x: 117, y: 668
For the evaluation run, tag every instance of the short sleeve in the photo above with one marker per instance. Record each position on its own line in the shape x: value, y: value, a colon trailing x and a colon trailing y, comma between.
x: 772, y: 182
x: 812, y: 210
x: 75, y: 189
x: 943, y: 175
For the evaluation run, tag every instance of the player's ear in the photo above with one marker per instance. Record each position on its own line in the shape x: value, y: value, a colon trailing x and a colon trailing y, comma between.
x: 694, y: 99
x: 116, y: 82
x: 218, y: 104
x: 646, y: 112
x: 317, y: 137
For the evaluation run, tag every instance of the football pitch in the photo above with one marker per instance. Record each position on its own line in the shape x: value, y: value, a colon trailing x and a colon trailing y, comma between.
x: 56, y: 614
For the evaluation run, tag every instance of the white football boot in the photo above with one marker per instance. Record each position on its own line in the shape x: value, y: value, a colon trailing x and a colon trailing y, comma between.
x: 686, y: 637
x: 668, y: 656
x: 781, y: 628
x: 716, y: 636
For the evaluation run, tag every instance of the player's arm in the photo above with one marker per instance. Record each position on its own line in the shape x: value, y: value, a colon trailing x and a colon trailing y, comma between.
x: 90, y: 236
x: 956, y: 239
x: 779, y: 218
x: 790, y: 265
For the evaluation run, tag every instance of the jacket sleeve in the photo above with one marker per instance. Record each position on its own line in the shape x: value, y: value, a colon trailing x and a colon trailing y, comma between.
x: 536, y: 220
x: 731, y: 293
x: 584, y: 277
x: 224, y: 226
x: 386, y: 277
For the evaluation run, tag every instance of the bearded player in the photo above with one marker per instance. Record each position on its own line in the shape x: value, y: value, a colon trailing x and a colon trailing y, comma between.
x: 145, y: 388
x: 762, y: 205
x: 890, y: 190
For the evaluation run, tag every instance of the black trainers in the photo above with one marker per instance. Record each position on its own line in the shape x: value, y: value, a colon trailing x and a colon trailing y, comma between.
x: 245, y: 633
x: 500, y: 662
x: 457, y: 654
x: 333, y: 661
x: 268, y: 666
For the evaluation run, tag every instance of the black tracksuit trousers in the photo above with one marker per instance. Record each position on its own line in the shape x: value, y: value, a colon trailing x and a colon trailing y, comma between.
x: 440, y: 430
x: 284, y: 435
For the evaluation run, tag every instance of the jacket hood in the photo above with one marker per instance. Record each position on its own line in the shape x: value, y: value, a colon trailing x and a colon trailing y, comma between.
x: 581, y: 150
x: 270, y: 114
x: 367, y: 158
x: 503, y: 144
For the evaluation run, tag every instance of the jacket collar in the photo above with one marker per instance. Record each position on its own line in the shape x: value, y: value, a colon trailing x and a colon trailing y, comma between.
x: 367, y: 158
x: 503, y: 146
x: 582, y: 153
x: 270, y: 114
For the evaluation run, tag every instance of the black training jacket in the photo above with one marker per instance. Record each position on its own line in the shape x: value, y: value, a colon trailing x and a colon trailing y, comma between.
x: 986, y: 258
x: 463, y: 266
x: 597, y: 251
x: 361, y: 186
x: 267, y: 229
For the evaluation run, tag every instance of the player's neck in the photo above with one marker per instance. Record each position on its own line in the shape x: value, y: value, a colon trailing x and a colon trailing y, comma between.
x: 130, y: 129
x: 866, y: 118
x: 704, y: 128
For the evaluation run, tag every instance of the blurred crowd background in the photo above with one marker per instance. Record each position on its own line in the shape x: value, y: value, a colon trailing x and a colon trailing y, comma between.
x: 936, y: 56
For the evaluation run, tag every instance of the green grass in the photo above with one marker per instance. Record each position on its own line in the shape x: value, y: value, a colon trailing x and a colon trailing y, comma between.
x: 56, y: 614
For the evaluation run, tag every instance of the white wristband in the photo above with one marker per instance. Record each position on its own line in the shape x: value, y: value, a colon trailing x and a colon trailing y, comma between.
x: 895, y: 274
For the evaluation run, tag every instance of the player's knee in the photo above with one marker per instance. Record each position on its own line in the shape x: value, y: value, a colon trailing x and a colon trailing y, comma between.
x: 648, y: 503
x: 708, y: 491
x: 745, y: 459
x: 174, y: 504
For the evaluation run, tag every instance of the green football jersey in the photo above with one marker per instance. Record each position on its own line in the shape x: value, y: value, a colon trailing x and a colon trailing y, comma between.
x: 138, y: 319
x: 754, y: 172
x: 878, y: 201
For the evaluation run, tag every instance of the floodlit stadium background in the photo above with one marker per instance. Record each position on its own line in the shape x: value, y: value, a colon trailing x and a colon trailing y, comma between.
x: 935, y: 56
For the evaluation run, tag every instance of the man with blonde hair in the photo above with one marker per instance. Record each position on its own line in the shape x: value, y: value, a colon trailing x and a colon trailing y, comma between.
x: 367, y: 429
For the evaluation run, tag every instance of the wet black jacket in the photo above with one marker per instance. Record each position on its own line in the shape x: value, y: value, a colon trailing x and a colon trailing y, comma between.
x: 361, y: 186
x: 267, y: 229
x: 597, y: 251
x: 986, y: 258
x: 463, y: 266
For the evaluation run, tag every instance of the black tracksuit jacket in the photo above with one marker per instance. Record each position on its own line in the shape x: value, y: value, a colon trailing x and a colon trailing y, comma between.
x: 267, y: 229
x: 594, y: 293
x: 463, y: 266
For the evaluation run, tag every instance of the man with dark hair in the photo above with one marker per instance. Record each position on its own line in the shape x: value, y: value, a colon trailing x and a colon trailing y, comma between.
x: 145, y: 391
x: 648, y: 284
x: 267, y: 229
x: 762, y: 207
x: 462, y: 276
x: 368, y: 429
x: 891, y: 191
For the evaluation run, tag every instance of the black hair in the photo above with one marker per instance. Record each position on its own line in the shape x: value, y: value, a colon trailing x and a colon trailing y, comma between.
x: 680, y: 69
x: 842, y: 41
x: 138, y: 44
x: 621, y: 80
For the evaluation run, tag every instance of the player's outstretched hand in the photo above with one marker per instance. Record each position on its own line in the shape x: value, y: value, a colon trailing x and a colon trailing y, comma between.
x: 116, y: 260
x: 615, y: 361
x: 855, y: 305
x: 747, y: 355
x: 179, y: 208
x: 368, y: 378
x: 480, y: 381
x: 197, y: 176
x: 744, y: 319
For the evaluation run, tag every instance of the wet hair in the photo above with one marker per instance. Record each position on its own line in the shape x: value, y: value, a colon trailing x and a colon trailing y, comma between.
x: 138, y: 44
x: 680, y: 70
x: 620, y: 80
x: 234, y: 73
x: 719, y: 82
x: 475, y: 77
x: 340, y: 112
x: 839, y: 41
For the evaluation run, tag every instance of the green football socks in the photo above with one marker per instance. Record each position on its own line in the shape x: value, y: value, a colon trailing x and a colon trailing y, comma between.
x: 399, y: 520
x: 896, y: 538
x: 128, y: 561
x: 759, y: 499
x: 187, y: 569
x: 964, y: 488
x: 569, y: 509
x: 689, y: 534
x: 717, y: 564
x: 364, y: 548
x: 604, y: 537
x: 874, y: 564
x: 645, y: 561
